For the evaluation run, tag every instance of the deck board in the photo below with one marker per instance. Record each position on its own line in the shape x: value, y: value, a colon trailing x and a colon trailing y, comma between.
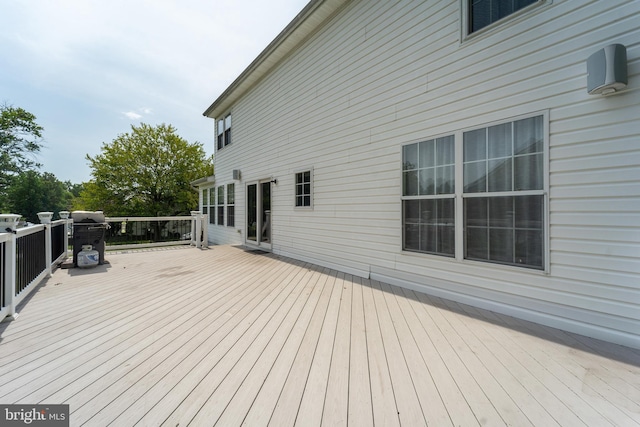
x: 385, y: 409
x: 226, y: 337
x: 312, y: 401
x: 336, y: 399
x: 288, y: 376
x: 410, y: 410
x: 427, y: 393
x: 360, y: 405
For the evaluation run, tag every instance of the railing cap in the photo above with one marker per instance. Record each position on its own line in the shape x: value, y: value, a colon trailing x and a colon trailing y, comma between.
x: 9, y: 222
x: 45, y: 217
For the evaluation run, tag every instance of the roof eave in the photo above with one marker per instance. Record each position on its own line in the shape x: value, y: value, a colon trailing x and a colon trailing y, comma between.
x: 203, y: 180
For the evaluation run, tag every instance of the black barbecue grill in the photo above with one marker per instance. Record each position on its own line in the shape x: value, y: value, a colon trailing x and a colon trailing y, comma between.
x: 89, y: 228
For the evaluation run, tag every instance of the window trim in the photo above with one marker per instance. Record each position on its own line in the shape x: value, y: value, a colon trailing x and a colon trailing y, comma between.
x: 514, y: 17
x: 460, y: 196
x: 295, y: 185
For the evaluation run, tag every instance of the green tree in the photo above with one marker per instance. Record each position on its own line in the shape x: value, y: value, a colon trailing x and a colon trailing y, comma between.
x: 75, y: 189
x: 20, y: 142
x: 32, y: 192
x: 146, y: 172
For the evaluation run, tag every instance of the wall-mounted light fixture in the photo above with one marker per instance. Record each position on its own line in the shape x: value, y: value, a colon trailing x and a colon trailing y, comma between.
x: 607, y: 70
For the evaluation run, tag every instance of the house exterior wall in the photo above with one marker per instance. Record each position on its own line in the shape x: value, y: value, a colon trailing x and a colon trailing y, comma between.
x: 382, y: 74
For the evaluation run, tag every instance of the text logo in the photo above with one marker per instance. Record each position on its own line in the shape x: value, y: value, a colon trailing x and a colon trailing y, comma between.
x: 34, y: 415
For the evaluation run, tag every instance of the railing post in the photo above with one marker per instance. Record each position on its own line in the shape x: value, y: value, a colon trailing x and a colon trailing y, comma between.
x: 196, y: 229
x: 65, y: 215
x: 9, y: 224
x: 205, y: 230
x: 45, y: 218
x: 10, y: 276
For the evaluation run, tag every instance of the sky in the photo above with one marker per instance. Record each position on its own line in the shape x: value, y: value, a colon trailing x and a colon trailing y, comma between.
x: 89, y: 69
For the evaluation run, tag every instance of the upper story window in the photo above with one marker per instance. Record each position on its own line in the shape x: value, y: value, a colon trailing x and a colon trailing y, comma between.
x: 482, y: 13
x: 223, y: 132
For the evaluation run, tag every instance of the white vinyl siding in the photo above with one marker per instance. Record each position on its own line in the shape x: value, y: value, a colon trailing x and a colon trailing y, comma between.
x: 382, y: 74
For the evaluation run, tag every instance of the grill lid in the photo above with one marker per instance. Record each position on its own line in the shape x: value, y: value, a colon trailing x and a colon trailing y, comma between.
x: 87, y: 217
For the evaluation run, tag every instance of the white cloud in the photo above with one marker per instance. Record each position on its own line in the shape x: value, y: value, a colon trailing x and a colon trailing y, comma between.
x: 132, y: 115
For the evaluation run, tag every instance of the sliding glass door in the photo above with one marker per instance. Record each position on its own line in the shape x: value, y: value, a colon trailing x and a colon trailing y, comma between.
x: 259, y: 214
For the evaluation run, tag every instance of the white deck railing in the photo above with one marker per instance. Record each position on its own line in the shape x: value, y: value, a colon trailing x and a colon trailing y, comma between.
x: 28, y: 254
x: 26, y: 257
x: 136, y: 232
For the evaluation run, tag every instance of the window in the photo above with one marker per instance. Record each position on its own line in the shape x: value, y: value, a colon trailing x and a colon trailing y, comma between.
x: 501, y: 197
x: 231, y: 209
x: 429, y: 196
x: 223, y: 132
x: 220, y: 134
x: 220, y: 199
x: 303, y: 189
x: 481, y: 13
x: 212, y: 203
x: 504, y: 193
x: 205, y: 201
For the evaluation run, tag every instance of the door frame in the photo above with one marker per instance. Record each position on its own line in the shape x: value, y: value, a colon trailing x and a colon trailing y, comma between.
x: 260, y: 220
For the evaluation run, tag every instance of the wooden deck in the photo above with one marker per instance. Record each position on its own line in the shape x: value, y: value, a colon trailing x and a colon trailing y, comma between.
x: 227, y: 337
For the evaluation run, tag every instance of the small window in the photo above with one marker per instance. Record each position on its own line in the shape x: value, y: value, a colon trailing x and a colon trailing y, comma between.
x: 223, y: 132
x: 482, y: 13
x: 303, y: 189
x: 220, y: 205
x: 231, y: 209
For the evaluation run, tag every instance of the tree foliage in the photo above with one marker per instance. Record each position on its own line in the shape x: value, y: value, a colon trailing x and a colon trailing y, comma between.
x: 32, y: 192
x: 146, y: 172
x: 20, y: 141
